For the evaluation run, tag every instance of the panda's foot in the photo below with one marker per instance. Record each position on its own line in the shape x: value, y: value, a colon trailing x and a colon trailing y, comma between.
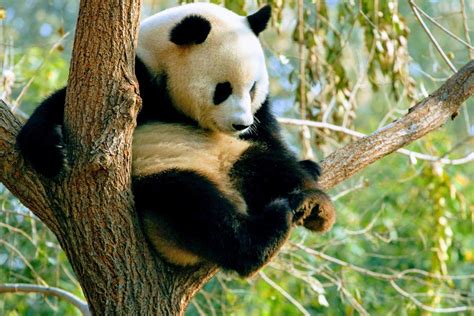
x: 313, y: 209
x: 44, y: 149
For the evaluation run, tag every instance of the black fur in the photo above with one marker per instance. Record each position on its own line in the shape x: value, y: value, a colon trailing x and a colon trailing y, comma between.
x: 204, y: 222
x: 222, y: 92
x: 41, y: 138
x: 266, y: 129
x: 311, y: 168
x: 259, y: 20
x: 263, y: 174
x: 193, y: 29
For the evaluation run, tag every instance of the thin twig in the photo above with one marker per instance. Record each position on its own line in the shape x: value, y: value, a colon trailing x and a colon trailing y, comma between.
x: 430, y: 35
x: 379, y: 275
x: 17, y: 111
x: 434, y: 275
x: 284, y: 293
x: 46, y: 290
x: 383, y: 276
x: 341, y: 288
x: 17, y: 101
x: 466, y: 29
x: 337, y: 128
x: 22, y: 257
x: 429, y: 17
x: 18, y: 231
x: 362, y: 184
x: 456, y: 309
x: 367, y: 228
x: 15, y: 213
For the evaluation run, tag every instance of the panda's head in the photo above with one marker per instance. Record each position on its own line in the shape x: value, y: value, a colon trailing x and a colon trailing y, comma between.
x: 212, y: 60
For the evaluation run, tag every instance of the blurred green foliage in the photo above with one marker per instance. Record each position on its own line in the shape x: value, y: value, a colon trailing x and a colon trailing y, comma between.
x: 366, y: 62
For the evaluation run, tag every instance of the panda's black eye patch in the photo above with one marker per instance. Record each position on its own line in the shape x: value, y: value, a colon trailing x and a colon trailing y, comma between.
x: 222, y: 92
x: 252, y: 90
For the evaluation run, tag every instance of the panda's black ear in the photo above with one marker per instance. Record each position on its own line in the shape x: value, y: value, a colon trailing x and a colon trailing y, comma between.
x: 193, y: 29
x: 258, y: 21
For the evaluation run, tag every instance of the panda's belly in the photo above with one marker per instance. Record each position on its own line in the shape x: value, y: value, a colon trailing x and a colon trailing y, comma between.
x: 160, y: 146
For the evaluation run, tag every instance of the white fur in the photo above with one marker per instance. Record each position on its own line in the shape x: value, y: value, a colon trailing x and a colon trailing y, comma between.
x: 231, y: 53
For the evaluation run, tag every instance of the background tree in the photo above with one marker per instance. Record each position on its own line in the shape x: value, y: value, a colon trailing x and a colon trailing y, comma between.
x: 401, y: 244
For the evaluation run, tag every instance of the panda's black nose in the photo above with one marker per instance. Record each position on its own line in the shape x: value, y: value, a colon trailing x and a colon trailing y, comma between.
x: 239, y: 127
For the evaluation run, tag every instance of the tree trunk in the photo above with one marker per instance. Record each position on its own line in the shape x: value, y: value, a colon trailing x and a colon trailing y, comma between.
x: 90, y: 209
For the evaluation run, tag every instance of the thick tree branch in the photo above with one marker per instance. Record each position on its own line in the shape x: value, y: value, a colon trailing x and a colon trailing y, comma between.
x: 424, y: 117
x: 412, y: 154
x: 46, y: 290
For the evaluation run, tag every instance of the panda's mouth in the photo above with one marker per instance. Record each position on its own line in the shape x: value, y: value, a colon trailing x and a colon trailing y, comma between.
x: 234, y: 132
x: 230, y: 128
x: 249, y: 130
x: 237, y: 130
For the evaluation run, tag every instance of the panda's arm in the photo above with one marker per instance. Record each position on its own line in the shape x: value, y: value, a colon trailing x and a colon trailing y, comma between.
x: 41, y: 139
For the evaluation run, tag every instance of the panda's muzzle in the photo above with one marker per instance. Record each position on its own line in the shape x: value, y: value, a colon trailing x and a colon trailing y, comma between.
x: 236, y: 114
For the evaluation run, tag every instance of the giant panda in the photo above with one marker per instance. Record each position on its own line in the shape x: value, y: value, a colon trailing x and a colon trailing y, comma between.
x: 212, y: 179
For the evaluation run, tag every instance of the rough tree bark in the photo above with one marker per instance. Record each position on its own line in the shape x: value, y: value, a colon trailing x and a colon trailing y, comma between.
x: 90, y: 209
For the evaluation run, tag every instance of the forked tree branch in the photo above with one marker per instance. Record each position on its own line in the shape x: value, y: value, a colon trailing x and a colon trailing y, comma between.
x: 18, y: 176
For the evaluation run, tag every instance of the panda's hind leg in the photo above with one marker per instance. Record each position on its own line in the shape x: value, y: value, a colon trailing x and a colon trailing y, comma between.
x: 41, y: 139
x: 199, y: 219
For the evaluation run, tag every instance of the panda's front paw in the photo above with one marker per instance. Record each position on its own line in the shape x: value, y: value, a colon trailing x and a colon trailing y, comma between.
x: 300, y: 205
x: 322, y: 215
x: 311, y: 167
x: 313, y: 209
x: 45, y: 150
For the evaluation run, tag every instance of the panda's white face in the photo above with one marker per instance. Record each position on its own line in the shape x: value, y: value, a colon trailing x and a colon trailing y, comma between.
x: 213, y: 61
